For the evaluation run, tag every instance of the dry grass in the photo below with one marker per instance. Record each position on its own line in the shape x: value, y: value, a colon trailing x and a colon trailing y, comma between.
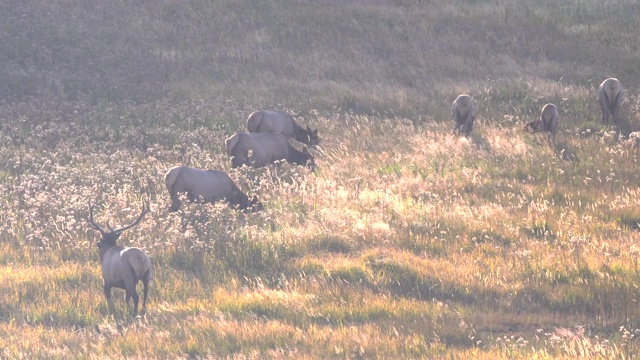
x: 407, y: 242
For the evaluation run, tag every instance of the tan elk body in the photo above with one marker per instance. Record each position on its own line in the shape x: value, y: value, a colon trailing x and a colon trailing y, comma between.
x: 610, y: 96
x: 122, y: 267
x: 547, y: 122
x: 280, y: 122
x: 463, y: 113
x: 265, y: 149
x: 207, y: 186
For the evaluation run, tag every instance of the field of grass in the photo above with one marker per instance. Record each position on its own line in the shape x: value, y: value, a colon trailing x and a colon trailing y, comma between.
x: 406, y: 242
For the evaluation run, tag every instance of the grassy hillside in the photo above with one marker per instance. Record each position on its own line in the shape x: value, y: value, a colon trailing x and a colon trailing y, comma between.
x: 407, y: 241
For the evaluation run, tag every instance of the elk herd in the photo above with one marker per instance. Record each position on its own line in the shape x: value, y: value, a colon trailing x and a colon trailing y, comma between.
x: 610, y: 96
x: 266, y: 142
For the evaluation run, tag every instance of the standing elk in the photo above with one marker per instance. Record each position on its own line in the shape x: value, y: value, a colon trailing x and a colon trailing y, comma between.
x: 122, y: 267
x: 548, y: 121
x: 280, y: 122
x: 463, y: 113
x: 265, y: 148
x: 208, y: 186
x: 610, y: 96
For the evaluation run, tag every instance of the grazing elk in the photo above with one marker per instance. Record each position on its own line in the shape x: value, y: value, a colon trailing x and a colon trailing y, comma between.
x: 265, y: 148
x: 548, y: 121
x: 208, y: 186
x: 610, y: 96
x: 122, y: 267
x: 269, y: 121
x: 463, y: 112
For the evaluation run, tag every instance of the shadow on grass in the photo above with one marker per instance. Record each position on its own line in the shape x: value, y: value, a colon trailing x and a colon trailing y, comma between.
x: 565, y: 151
x: 480, y: 142
x: 624, y: 127
x: 331, y: 244
x: 628, y: 219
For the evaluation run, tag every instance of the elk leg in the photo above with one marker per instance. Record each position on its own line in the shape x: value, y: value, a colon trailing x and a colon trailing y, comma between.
x: 107, y: 294
x: 238, y: 161
x: 132, y: 294
x: 615, y: 113
x: 175, y: 203
x: 130, y: 288
x: 146, y: 278
x: 135, y: 297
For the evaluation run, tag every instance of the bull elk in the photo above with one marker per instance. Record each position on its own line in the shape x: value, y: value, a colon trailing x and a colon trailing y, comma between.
x: 122, y: 267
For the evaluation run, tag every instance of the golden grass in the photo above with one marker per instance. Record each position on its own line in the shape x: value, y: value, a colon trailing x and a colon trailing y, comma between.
x: 407, y: 241
x: 421, y: 249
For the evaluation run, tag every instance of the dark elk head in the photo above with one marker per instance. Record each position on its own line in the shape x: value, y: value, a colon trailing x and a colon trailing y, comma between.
x: 533, y: 126
x: 109, y: 237
x: 308, y: 160
x: 312, y: 136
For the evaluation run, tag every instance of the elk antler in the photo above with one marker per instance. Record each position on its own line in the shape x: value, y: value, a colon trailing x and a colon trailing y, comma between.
x: 90, y: 220
x: 145, y: 210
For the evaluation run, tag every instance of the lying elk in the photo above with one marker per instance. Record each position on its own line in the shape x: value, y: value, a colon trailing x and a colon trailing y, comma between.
x: 269, y: 121
x: 208, y: 186
x: 265, y: 149
x: 548, y: 121
x: 463, y: 113
x: 122, y: 267
x: 610, y: 95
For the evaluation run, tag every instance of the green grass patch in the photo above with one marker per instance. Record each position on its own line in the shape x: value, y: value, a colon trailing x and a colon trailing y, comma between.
x: 629, y: 218
x: 330, y: 244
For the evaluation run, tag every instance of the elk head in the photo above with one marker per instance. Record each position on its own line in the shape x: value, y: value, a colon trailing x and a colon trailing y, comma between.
x: 109, y: 237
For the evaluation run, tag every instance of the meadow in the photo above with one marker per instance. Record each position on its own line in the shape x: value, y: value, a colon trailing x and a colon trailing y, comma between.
x: 406, y: 242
